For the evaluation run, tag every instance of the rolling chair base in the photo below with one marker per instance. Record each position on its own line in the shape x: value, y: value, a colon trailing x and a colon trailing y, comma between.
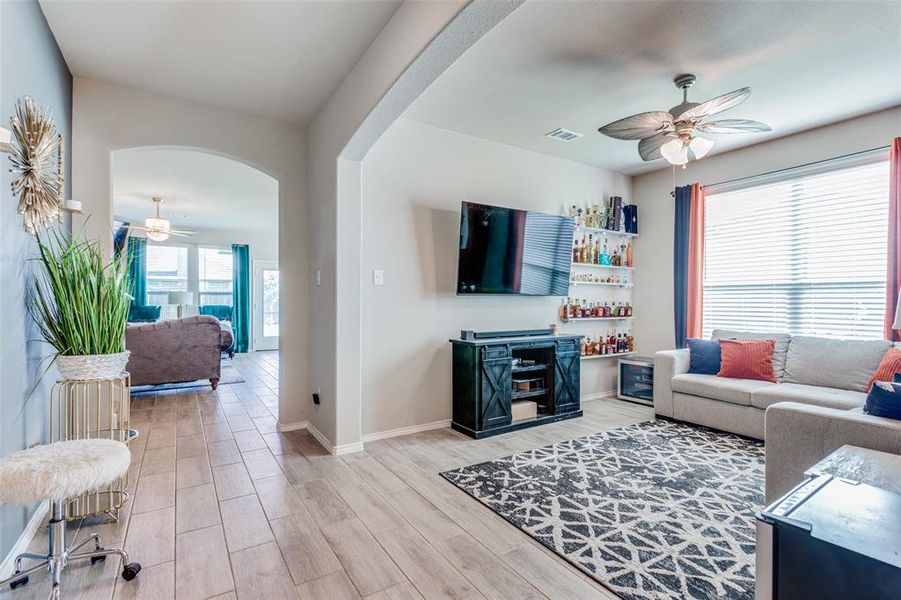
x: 58, y: 555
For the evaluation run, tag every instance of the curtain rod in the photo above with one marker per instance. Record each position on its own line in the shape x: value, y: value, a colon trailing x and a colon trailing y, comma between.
x: 810, y: 164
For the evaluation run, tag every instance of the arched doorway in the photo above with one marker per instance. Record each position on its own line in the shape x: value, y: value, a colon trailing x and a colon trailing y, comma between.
x: 219, y: 255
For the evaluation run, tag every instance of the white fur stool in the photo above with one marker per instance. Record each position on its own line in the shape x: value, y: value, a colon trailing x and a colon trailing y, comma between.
x: 58, y: 471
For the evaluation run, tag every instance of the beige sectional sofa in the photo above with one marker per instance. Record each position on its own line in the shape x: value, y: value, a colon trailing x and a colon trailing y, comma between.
x: 814, y: 407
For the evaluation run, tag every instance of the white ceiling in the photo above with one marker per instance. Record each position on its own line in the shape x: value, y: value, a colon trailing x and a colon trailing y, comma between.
x: 580, y: 65
x: 276, y: 59
x: 199, y: 190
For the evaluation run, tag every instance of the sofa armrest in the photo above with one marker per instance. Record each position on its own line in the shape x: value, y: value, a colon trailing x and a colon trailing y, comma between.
x: 667, y: 364
x: 800, y: 435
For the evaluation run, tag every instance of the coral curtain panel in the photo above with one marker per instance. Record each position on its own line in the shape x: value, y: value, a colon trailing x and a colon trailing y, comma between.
x: 241, y: 296
x: 688, y: 263
x: 694, y: 318
x: 893, y: 264
x: 137, y: 269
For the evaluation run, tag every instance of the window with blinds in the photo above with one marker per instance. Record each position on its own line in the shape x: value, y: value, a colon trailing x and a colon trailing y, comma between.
x: 804, y: 252
x: 215, y: 276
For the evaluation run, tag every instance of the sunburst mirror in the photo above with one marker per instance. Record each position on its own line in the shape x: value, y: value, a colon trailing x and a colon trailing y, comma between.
x: 36, y: 152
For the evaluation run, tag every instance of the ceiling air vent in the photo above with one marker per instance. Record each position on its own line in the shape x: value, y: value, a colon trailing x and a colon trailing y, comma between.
x: 564, y: 135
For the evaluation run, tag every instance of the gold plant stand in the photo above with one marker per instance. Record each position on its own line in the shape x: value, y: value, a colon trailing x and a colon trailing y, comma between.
x: 94, y: 408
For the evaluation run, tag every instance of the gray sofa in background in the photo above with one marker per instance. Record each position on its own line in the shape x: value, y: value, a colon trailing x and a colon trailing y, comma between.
x: 174, y: 351
x: 814, y: 407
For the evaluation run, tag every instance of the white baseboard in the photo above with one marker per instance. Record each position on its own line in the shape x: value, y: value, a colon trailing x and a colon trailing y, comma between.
x: 283, y: 427
x: 599, y: 395
x: 39, y: 518
x: 347, y: 448
x: 381, y: 435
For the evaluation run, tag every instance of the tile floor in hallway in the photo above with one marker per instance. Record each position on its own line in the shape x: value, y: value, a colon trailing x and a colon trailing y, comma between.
x: 227, y: 507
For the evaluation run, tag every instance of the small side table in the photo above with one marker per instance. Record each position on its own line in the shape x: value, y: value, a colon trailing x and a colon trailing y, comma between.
x: 837, y: 535
x: 94, y: 408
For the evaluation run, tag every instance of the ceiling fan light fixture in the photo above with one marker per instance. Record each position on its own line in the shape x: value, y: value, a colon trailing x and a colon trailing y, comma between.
x: 675, y: 151
x: 700, y: 146
x: 671, y: 134
x: 157, y: 229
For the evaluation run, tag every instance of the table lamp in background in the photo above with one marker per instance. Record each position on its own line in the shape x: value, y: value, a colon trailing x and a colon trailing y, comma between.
x: 181, y: 300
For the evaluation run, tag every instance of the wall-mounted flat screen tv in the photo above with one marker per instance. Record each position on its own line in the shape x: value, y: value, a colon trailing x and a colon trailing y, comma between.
x: 509, y: 251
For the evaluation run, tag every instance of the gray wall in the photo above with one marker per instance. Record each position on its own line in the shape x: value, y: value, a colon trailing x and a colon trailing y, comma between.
x: 32, y: 65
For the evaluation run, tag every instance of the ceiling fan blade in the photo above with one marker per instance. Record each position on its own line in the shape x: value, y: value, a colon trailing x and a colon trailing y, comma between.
x: 733, y: 126
x: 716, y: 105
x: 649, y: 148
x: 639, y: 126
x: 182, y: 233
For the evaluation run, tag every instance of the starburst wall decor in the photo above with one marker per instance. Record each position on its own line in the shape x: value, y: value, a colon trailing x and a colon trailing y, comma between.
x: 36, y: 152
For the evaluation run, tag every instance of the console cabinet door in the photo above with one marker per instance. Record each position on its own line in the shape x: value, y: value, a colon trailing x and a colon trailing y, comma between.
x: 566, y: 377
x: 497, y: 385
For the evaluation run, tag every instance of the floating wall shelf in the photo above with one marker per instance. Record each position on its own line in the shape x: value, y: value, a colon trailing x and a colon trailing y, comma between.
x: 606, y: 231
x: 593, y: 356
x: 573, y: 320
x: 594, y: 266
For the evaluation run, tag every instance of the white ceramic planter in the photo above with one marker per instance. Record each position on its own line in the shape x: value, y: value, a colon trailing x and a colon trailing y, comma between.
x: 92, y: 366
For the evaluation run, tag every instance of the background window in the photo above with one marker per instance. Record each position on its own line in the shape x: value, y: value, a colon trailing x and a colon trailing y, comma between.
x: 215, y: 276
x: 167, y: 271
x: 806, y: 255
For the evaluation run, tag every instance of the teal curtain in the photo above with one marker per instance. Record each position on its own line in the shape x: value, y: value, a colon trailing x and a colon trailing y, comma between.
x: 241, y: 296
x: 137, y: 269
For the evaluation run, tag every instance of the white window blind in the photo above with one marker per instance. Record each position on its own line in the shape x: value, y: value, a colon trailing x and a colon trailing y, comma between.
x: 215, y: 276
x: 805, y: 254
x: 167, y: 271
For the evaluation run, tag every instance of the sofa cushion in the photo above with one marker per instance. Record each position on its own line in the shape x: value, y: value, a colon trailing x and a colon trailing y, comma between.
x: 736, y: 391
x: 889, y: 367
x: 779, y: 352
x: 826, y: 362
x: 143, y: 313
x: 705, y: 356
x: 807, y: 394
x: 747, y: 359
x: 884, y: 400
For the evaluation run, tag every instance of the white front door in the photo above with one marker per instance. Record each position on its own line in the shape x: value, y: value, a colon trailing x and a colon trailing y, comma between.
x: 265, y: 305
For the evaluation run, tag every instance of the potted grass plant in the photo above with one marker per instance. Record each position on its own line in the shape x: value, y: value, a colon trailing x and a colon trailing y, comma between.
x: 80, y: 303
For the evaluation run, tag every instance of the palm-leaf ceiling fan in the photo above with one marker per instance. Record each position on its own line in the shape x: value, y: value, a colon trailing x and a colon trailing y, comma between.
x: 159, y: 229
x: 672, y: 134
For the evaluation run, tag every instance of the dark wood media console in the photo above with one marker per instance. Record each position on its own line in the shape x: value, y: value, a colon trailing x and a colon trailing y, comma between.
x: 546, y: 373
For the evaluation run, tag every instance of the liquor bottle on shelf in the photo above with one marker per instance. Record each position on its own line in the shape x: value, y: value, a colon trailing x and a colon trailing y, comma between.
x: 605, y: 257
x: 629, y: 254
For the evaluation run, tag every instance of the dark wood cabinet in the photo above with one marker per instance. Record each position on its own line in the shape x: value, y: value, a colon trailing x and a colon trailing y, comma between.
x: 544, y: 369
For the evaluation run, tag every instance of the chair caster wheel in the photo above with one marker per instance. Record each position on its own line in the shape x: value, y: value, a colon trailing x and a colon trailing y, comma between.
x: 19, y: 583
x: 97, y: 559
x: 131, y: 571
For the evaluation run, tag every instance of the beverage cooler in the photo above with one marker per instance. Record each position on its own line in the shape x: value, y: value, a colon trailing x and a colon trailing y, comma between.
x: 636, y: 380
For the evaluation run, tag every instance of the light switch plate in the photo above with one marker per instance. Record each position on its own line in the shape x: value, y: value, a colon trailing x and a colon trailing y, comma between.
x: 378, y: 277
x: 318, y: 277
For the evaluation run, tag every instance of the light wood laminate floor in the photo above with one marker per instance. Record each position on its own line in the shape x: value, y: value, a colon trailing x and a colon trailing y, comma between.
x: 224, y: 506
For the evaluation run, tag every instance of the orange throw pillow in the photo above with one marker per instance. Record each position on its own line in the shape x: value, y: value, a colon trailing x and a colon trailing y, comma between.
x: 890, y: 364
x: 747, y: 359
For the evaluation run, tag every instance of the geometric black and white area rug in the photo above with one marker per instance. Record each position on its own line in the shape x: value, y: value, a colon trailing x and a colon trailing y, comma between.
x: 653, y: 510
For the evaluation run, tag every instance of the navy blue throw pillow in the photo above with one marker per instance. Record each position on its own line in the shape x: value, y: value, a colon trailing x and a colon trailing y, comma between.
x: 896, y: 377
x: 705, y: 357
x: 884, y: 400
